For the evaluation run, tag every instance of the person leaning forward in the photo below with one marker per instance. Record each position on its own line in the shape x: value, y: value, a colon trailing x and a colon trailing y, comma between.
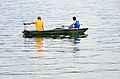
x: 38, y: 22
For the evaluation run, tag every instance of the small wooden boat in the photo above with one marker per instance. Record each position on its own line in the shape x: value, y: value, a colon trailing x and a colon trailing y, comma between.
x: 54, y: 33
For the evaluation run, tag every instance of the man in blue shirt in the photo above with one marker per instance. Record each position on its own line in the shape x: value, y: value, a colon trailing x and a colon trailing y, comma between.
x: 75, y: 24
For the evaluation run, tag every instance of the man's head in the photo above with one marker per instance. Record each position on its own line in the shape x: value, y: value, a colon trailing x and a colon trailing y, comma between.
x: 39, y: 18
x: 74, y: 18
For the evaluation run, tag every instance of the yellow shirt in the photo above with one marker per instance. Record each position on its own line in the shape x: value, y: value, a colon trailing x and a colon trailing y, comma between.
x: 39, y: 25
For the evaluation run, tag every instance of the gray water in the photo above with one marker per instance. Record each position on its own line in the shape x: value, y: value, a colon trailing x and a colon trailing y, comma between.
x: 94, y: 57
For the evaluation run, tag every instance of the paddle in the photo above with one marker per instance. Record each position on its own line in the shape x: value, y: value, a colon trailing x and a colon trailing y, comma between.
x: 25, y: 26
x: 24, y: 30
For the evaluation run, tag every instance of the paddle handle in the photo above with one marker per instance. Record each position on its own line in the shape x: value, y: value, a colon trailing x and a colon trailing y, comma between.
x: 26, y: 23
x: 25, y: 26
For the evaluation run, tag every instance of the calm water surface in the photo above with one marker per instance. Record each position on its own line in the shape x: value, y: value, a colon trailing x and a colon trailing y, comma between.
x: 94, y: 57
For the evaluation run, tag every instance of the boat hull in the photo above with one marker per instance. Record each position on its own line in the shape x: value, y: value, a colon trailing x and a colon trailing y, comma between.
x: 54, y: 33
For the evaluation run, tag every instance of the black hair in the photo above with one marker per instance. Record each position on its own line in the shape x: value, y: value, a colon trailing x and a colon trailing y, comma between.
x: 39, y: 17
x: 74, y: 18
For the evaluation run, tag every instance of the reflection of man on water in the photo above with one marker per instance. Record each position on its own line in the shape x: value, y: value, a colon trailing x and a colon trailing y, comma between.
x: 39, y: 44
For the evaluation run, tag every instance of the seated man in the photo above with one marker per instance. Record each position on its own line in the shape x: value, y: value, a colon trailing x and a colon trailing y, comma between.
x: 75, y: 24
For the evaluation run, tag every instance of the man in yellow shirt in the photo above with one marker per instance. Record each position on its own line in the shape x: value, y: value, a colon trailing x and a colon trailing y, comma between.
x: 38, y: 23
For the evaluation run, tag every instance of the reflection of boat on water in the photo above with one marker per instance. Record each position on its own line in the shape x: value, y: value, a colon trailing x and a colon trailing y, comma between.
x: 54, y: 33
x: 43, y: 45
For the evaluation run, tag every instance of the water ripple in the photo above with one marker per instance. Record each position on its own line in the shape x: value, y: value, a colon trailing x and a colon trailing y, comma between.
x: 93, y: 57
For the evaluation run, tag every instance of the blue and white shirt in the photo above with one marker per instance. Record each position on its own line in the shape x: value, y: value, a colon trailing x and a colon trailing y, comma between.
x: 76, y: 24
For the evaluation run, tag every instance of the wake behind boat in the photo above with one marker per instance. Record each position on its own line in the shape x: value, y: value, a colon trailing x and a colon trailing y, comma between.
x: 55, y: 33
